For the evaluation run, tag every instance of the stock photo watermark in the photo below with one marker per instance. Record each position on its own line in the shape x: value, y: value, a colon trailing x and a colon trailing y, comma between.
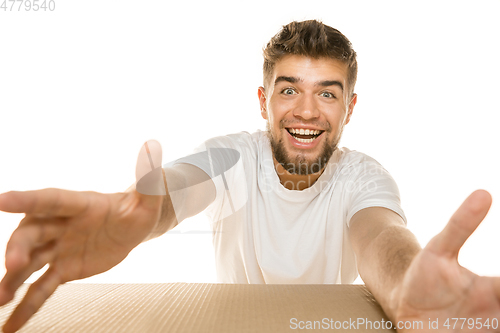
x: 28, y: 5
x: 227, y: 158
x: 225, y: 168
x: 365, y: 324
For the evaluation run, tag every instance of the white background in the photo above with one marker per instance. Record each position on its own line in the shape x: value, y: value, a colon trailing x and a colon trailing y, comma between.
x: 83, y: 87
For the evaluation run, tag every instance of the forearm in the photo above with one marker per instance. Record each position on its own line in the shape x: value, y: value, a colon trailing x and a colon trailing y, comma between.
x: 384, y: 261
x: 189, y: 190
x: 167, y: 219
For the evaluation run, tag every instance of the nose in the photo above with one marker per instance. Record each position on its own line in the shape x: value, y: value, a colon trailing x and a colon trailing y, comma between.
x: 306, y: 107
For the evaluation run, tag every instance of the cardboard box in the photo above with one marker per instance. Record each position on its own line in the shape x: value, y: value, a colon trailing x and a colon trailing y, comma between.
x: 204, y: 307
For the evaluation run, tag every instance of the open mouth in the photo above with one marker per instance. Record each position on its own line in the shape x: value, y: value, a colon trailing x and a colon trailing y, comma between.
x: 304, y: 135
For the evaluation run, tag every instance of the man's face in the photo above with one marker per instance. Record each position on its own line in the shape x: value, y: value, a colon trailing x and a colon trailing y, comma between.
x: 306, y: 106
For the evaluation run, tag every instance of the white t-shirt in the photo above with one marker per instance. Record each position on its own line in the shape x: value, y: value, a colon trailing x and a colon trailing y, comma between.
x: 265, y: 233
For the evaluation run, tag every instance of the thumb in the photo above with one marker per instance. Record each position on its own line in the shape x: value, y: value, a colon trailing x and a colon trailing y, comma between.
x: 461, y: 225
x: 148, y: 171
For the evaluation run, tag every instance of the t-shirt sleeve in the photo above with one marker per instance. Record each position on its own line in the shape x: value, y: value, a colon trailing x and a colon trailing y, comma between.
x: 372, y: 186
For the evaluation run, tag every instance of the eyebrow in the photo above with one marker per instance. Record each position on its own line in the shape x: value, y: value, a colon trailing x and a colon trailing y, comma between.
x: 290, y: 79
x: 330, y: 83
x: 325, y: 83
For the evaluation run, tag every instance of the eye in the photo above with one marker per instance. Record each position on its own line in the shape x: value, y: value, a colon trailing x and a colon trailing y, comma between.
x: 327, y: 94
x: 288, y: 91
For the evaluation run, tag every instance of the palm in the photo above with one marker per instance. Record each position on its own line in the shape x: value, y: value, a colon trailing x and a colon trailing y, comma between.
x: 79, y: 234
x: 86, y: 237
x: 437, y: 287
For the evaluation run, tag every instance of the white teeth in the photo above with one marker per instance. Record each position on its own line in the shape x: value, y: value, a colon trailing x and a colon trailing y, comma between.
x: 304, y: 140
x: 304, y: 132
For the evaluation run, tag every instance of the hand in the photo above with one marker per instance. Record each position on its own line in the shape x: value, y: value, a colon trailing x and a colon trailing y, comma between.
x: 435, y: 286
x: 79, y: 234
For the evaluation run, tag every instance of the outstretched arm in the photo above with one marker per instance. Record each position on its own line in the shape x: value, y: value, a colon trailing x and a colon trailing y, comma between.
x: 384, y: 250
x: 80, y: 234
x: 189, y: 191
x: 426, y: 285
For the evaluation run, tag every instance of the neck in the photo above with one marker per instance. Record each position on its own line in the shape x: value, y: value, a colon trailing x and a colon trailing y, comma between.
x: 294, y: 181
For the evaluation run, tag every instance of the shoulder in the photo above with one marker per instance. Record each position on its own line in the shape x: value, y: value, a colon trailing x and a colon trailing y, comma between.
x: 247, y: 144
x: 235, y: 140
x: 354, y: 160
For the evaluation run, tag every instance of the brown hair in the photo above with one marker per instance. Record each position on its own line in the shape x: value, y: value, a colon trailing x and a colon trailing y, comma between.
x: 312, y: 39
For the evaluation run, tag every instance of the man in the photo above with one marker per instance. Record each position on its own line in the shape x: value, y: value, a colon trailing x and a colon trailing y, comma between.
x: 291, y: 208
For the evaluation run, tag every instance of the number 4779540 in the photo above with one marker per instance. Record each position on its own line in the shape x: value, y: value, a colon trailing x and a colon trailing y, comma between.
x: 28, y: 5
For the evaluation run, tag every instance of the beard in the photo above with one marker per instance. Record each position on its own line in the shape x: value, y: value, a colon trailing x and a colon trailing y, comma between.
x: 298, y: 164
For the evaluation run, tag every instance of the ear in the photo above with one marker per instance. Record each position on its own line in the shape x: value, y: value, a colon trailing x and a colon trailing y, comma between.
x: 353, y: 102
x: 262, y: 101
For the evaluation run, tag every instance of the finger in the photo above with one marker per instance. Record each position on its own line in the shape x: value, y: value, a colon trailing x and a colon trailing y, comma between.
x: 31, y: 234
x: 46, y: 202
x: 149, y: 172
x: 14, y: 279
x: 37, y: 294
x: 462, y: 224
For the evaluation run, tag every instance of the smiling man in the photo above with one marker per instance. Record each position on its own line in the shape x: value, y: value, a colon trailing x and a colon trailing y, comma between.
x: 293, y: 208
x: 306, y: 111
